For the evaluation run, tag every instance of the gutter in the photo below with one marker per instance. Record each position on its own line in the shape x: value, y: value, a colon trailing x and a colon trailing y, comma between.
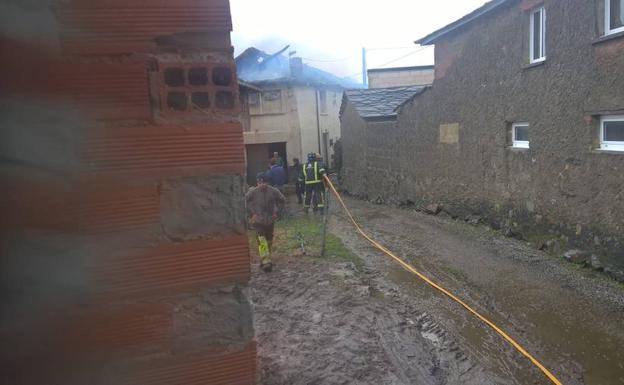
x: 469, y: 18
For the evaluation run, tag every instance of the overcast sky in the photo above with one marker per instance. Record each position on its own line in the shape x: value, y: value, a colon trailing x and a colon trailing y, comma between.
x: 330, y: 34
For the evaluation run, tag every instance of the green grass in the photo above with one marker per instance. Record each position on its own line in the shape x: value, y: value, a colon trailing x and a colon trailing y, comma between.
x: 286, y: 240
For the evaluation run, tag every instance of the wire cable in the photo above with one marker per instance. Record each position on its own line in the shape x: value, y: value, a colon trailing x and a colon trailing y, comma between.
x: 390, y: 62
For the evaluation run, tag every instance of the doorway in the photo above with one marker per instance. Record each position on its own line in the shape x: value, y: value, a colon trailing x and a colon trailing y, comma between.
x: 258, y: 156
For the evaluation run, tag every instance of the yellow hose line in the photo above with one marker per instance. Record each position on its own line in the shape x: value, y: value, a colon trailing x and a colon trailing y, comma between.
x: 411, y: 269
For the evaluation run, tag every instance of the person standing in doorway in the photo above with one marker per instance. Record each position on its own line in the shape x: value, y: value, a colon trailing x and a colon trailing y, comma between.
x: 280, y: 162
x: 264, y: 203
x: 276, y: 175
x: 313, y: 172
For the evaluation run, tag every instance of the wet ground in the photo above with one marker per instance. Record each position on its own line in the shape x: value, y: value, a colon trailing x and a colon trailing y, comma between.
x: 319, y: 321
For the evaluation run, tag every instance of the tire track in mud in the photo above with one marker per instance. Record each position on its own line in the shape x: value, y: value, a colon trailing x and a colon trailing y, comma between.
x: 320, y: 322
x: 495, y: 273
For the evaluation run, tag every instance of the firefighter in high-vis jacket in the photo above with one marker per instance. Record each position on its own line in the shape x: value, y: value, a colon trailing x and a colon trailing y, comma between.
x: 313, y: 171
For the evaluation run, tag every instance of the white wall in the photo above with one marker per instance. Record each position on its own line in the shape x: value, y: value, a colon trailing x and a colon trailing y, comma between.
x: 400, y: 77
x: 328, y: 121
x: 297, y: 124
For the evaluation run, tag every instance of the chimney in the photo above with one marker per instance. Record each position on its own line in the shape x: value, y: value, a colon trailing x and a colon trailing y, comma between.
x: 296, y: 67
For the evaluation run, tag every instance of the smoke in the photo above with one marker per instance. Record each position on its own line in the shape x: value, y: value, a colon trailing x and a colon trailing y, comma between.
x: 254, y: 65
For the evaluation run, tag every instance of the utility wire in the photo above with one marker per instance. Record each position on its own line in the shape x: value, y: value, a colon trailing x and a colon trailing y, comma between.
x: 403, y: 57
x: 352, y: 56
x: 328, y: 60
x: 388, y: 48
x: 390, y: 62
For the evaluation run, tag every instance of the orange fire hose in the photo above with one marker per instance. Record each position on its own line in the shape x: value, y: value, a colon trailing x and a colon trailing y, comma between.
x: 411, y: 269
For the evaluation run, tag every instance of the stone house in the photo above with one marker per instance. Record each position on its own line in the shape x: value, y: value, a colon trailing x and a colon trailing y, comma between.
x: 524, y: 122
x: 293, y: 109
x: 369, y: 132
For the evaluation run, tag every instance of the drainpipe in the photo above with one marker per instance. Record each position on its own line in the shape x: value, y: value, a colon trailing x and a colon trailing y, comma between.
x: 364, y: 68
x: 318, y: 120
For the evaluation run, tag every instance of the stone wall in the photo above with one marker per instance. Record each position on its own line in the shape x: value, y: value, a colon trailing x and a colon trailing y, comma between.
x: 354, y: 149
x: 455, y: 138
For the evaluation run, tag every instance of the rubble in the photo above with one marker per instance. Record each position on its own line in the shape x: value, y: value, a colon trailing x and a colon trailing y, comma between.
x: 578, y: 257
x: 433, y: 208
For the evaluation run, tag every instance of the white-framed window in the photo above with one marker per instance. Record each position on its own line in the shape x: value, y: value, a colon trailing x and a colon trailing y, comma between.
x: 612, y: 133
x: 614, y: 16
x: 265, y: 102
x: 537, y: 45
x: 520, y: 135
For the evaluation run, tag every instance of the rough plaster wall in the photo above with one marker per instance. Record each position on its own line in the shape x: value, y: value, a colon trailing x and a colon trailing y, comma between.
x: 215, y: 317
x: 202, y: 207
x: 354, y: 144
x: 382, y: 161
x: 483, y: 83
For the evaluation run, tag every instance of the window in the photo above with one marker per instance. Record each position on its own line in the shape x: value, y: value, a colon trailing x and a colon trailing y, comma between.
x: 614, y: 16
x: 253, y: 100
x: 272, y: 102
x: 265, y: 102
x: 538, y: 35
x: 612, y: 133
x: 520, y: 135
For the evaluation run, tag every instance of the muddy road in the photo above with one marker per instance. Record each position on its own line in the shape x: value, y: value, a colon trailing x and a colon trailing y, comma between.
x: 322, y: 321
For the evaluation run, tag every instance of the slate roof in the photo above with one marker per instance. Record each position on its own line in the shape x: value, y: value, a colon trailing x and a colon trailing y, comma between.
x: 380, y: 103
x: 258, y: 67
x: 477, y: 13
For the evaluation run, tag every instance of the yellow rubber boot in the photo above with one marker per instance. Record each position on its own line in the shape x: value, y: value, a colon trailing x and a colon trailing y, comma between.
x: 265, y: 254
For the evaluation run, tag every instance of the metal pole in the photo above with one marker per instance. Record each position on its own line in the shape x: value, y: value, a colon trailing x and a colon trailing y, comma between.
x: 364, y: 69
x: 325, y: 215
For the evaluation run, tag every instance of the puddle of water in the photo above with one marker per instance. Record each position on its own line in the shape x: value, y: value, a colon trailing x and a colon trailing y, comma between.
x: 579, y: 338
x: 477, y: 340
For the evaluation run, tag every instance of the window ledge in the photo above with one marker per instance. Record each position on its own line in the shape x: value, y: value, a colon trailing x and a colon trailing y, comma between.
x: 518, y: 149
x: 533, y: 65
x: 609, y: 37
x: 607, y: 152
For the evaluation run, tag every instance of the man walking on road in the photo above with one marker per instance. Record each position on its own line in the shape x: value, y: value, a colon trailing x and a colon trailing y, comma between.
x: 264, y: 203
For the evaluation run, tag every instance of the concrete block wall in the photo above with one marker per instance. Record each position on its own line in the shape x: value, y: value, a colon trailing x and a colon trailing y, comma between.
x: 126, y: 259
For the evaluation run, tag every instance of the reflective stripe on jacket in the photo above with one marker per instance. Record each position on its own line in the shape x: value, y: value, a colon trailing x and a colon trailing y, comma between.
x: 315, y: 175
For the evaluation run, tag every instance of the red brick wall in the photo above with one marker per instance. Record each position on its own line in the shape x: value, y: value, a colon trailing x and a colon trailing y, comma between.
x: 126, y: 259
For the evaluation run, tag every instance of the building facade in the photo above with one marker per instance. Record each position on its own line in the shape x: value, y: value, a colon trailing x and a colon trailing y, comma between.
x: 369, y: 127
x: 523, y: 123
x: 293, y: 109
